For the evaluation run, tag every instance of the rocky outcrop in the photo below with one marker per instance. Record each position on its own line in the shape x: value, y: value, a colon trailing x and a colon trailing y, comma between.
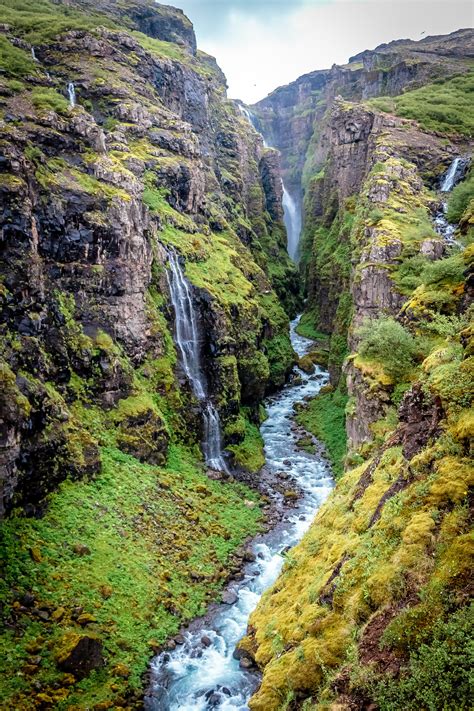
x: 152, y: 154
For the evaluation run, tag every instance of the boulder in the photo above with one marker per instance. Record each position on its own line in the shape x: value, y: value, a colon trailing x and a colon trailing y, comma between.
x: 80, y: 654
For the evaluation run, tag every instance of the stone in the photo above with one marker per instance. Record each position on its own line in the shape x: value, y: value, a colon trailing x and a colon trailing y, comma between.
x: 80, y: 654
x: 58, y: 614
x: 229, y: 597
x: 86, y: 619
x: 106, y: 591
x: 81, y: 549
x: 206, y: 641
x: 245, y: 663
x: 35, y: 554
x: 249, y: 556
x: 121, y: 670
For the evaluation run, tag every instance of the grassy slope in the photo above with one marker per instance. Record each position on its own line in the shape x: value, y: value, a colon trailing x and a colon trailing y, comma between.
x: 372, y: 599
x: 146, y: 529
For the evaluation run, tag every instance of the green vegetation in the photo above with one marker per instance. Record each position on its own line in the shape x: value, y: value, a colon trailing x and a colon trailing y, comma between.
x: 387, y: 342
x: 40, y: 21
x: 438, y: 674
x: 249, y: 453
x: 50, y: 100
x: 324, y: 416
x: 15, y: 62
x: 443, y: 106
x: 121, y: 548
x: 461, y: 199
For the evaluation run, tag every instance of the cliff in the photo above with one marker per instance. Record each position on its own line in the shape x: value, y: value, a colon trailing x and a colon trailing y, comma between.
x: 376, y: 593
x: 119, y: 144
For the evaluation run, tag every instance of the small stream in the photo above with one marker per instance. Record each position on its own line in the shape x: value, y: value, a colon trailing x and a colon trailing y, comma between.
x: 202, y: 673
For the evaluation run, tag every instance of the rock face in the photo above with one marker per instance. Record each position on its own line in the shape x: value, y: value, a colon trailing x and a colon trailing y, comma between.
x: 152, y: 156
x: 393, y: 297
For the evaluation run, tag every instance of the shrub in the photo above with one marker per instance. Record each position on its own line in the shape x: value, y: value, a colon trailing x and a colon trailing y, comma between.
x: 460, y: 198
x: 389, y: 343
x: 444, y: 271
x: 438, y: 674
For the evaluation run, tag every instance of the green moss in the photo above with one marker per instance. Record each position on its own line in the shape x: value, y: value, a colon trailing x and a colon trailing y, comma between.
x: 146, y: 529
x: 249, y: 453
x: 324, y: 416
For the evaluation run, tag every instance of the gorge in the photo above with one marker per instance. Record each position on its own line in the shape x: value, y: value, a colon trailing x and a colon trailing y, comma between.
x: 237, y: 372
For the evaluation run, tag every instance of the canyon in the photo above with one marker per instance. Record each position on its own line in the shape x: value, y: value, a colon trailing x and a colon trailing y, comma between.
x: 237, y: 372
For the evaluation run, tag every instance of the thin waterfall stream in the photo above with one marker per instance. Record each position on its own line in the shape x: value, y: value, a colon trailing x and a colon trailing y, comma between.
x: 450, y: 179
x: 188, y: 342
x: 202, y: 673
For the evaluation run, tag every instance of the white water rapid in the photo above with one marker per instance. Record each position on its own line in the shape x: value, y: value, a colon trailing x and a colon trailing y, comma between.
x: 441, y: 224
x: 202, y: 673
x: 188, y: 342
x: 71, y: 90
x: 291, y: 211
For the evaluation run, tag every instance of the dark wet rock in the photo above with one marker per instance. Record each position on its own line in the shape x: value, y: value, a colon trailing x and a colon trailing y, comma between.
x: 249, y: 556
x: 80, y: 654
x: 206, y: 641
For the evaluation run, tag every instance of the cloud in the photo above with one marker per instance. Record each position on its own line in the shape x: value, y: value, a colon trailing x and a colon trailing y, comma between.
x: 262, y: 44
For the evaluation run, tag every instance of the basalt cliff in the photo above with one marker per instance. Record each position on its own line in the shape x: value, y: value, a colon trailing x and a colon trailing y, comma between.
x: 143, y: 249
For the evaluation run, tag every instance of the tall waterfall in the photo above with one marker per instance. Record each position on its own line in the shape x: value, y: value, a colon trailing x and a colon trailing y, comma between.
x: 188, y: 343
x: 292, y: 220
x: 71, y: 90
x: 291, y: 211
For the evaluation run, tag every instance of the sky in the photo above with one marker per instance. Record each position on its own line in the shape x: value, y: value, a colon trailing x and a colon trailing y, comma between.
x: 263, y: 44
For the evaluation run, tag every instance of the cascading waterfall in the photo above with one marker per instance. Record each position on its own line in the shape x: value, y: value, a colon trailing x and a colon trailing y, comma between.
x: 291, y: 211
x: 450, y: 177
x: 33, y: 54
x: 449, y: 180
x: 71, y: 90
x: 189, y: 346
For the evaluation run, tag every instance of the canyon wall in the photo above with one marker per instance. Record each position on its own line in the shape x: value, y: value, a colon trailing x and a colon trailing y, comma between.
x: 378, y: 588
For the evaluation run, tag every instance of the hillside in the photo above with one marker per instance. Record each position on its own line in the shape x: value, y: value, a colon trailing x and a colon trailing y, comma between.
x: 146, y: 295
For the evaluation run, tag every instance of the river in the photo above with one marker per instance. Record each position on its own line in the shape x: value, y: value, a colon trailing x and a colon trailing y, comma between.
x: 202, y: 673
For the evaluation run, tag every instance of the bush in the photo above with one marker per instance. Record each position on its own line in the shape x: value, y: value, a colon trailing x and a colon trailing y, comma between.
x: 444, y: 271
x: 390, y: 344
x: 438, y: 674
x: 460, y: 198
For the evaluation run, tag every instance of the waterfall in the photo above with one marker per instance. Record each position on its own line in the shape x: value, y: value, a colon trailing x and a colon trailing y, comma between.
x: 291, y: 211
x: 292, y: 220
x: 450, y: 177
x: 71, y: 90
x: 33, y: 54
x: 189, y: 346
x: 441, y: 224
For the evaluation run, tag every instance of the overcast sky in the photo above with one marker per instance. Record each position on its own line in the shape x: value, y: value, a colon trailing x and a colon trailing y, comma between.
x: 262, y: 44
